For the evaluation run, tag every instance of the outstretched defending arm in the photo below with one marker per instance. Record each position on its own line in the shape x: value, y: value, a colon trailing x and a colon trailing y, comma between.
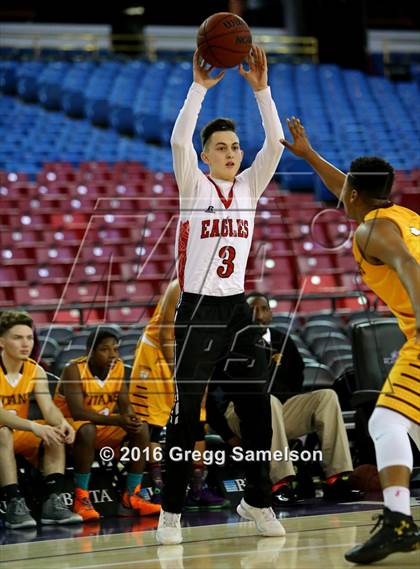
x: 332, y: 177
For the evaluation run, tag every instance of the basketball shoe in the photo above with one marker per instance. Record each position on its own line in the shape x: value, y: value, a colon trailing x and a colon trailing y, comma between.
x: 265, y: 519
x: 83, y: 506
x: 169, y: 528
x: 398, y: 532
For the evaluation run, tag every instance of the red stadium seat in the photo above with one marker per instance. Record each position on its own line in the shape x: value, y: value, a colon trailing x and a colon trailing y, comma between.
x: 86, y: 292
x: 17, y: 255
x: 47, y: 273
x: 316, y: 282
x: 135, y: 290
x: 6, y: 297
x: 56, y: 253
x: 10, y: 276
x: 127, y: 315
x: 37, y: 294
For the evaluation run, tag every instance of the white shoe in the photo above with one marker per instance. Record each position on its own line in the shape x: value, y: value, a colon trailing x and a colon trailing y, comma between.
x: 265, y: 519
x: 169, y: 528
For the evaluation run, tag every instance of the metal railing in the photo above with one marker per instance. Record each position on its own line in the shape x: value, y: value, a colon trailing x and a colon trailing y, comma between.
x: 303, y: 47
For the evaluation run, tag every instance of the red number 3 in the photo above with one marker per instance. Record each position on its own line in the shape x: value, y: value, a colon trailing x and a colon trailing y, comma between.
x: 227, y: 254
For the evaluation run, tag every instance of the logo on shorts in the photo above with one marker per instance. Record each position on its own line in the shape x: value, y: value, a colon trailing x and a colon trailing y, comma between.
x: 210, y: 209
x: 415, y: 231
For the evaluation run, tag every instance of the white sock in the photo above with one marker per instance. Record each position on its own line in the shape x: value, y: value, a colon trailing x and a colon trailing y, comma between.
x: 397, y: 499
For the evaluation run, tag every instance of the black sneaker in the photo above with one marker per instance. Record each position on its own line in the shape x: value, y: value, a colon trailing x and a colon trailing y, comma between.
x: 341, y: 491
x: 284, y: 496
x: 398, y: 533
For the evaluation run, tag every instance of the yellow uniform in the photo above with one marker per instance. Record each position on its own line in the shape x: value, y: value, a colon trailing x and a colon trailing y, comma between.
x: 99, y: 396
x: 14, y: 397
x: 151, y: 383
x: 401, y: 391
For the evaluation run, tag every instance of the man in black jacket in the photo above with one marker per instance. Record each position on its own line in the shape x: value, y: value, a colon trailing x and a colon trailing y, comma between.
x: 294, y: 414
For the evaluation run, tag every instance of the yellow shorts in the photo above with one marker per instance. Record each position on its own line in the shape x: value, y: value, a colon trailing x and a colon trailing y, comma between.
x: 106, y: 435
x: 152, y: 386
x: 401, y: 391
x: 27, y: 444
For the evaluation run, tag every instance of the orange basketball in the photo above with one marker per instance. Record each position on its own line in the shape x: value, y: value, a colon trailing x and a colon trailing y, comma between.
x: 224, y: 40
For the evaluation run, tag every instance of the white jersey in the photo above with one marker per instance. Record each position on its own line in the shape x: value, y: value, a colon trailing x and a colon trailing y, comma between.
x: 216, y: 216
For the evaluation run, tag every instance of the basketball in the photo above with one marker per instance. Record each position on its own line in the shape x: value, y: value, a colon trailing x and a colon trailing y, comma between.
x: 365, y: 477
x: 224, y: 40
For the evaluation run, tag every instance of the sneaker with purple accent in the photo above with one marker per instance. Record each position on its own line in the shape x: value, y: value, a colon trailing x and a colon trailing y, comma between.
x: 156, y: 495
x: 205, y: 500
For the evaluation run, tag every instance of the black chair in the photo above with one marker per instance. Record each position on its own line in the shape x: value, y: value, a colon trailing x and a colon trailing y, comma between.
x: 131, y: 336
x: 283, y: 318
x: 52, y: 382
x: 334, y: 352
x: 298, y: 341
x: 324, y: 341
x: 341, y: 365
x: 113, y: 328
x: 375, y: 347
x: 127, y: 372
x: 312, y: 330
x: 61, y: 334
x: 65, y: 356
x: 79, y: 338
x: 317, y: 376
x: 321, y: 317
x: 49, y: 349
x: 127, y: 349
x: 305, y: 353
x: 128, y: 360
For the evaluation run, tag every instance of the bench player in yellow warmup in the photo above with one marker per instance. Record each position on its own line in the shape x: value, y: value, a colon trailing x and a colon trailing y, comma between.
x: 386, y: 246
x: 90, y: 390
x: 20, y: 376
x: 152, y: 398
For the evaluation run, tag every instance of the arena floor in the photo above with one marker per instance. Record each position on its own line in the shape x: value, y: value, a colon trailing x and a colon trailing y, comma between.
x: 318, y: 534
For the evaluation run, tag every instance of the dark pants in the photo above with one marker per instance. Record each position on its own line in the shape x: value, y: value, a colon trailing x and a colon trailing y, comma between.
x: 215, y: 338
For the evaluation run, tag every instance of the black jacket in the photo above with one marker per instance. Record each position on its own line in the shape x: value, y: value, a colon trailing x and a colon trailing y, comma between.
x: 288, y: 375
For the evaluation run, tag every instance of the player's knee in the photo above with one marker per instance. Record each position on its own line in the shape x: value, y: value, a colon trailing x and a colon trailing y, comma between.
x: 86, y: 435
x: 141, y: 437
x: 384, y: 420
x: 328, y: 395
x: 6, y: 437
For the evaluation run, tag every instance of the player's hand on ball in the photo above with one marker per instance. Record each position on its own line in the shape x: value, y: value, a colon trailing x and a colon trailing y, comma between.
x: 300, y: 145
x: 202, y: 70
x: 257, y: 76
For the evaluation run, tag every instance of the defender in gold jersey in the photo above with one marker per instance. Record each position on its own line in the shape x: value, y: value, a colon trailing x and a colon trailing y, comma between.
x: 20, y: 377
x: 92, y: 391
x: 386, y: 246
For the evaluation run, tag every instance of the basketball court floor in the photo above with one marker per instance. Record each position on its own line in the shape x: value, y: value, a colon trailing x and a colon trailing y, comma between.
x: 318, y: 534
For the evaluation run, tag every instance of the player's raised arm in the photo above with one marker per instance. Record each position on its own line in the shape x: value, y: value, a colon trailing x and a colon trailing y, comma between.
x: 380, y: 239
x: 332, y: 177
x: 183, y: 152
x: 265, y: 163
